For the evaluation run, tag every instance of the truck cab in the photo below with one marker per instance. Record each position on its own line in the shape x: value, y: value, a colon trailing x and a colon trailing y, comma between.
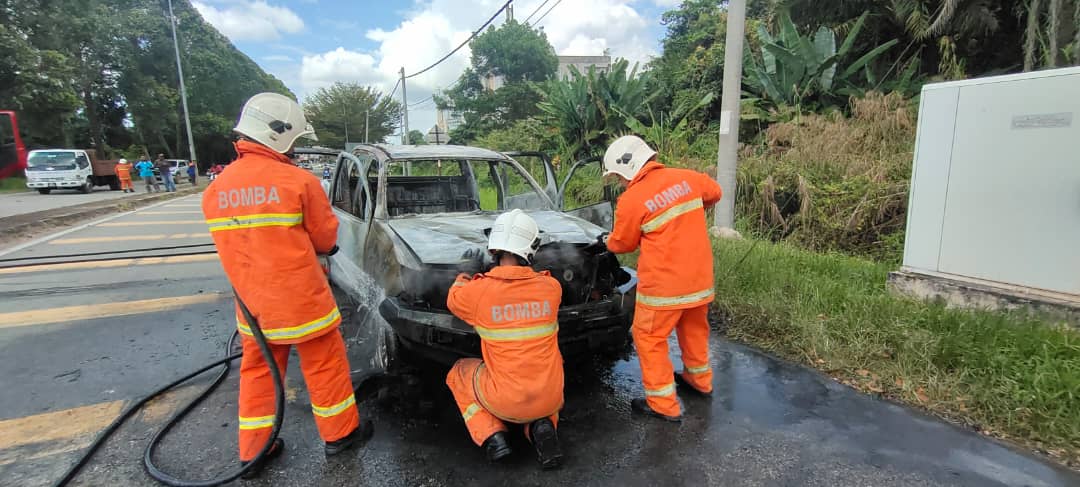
x: 49, y: 169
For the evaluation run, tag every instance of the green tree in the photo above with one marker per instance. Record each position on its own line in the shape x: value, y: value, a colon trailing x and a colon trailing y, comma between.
x: 416, y: 137
x: 512, y: 56
x: 342, y: 107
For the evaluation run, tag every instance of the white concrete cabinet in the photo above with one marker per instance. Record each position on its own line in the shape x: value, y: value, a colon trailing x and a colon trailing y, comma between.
x: 995, y: 191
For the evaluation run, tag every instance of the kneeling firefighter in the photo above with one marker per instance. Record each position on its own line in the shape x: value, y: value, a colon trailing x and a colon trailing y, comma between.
x: 515, y: 311
x: 663, y: 212
x: 270, y: 221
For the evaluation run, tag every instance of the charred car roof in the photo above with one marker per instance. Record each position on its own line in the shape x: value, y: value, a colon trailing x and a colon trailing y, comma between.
x: 414, y: 152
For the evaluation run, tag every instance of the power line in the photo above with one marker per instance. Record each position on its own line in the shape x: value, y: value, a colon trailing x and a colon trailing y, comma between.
x: 546, y: 13
x: 463, y: 44
x: 536, y: 10
x: 421, y: 102
x: 396, y: 85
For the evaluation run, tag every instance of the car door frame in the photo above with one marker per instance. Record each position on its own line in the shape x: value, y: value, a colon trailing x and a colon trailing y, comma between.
x: 601, y: 213
x: 353, y: 231
x: 551, y: 183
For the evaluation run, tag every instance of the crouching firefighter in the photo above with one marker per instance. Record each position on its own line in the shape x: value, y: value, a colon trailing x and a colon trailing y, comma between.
x: 270, y: 221
x: 515, y: 311
x: 663, y: 212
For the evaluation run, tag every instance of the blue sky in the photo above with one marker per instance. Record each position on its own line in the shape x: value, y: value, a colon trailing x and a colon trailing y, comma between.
x: 309, y: 44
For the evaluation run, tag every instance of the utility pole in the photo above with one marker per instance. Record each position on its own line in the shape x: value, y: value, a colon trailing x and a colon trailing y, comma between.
x: 405, y: 113
x: 727, y: 156
x: 510, y: 12
x: 367, y: 120
x: 345, y: 115
x: 183, y: 92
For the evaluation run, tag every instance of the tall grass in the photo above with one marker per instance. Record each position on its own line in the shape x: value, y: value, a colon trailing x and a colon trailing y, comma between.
x: 14, y: 184
x: 1009, y: 375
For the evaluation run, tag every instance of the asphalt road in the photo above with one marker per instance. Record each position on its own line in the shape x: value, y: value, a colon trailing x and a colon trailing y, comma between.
x: 79, y: 341
x: 12, y: 204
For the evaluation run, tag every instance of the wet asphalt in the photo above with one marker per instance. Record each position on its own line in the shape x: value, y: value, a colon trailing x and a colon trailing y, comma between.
x: 770, y: 423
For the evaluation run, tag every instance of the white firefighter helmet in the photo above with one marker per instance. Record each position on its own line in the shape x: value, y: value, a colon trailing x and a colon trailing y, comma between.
x: 514, y: 232
x: 273, y: 120
x: 122, y: 161
x: 626, y: 156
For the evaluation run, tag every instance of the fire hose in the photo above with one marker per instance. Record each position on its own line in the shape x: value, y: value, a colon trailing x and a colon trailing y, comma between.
x: 225, y: 363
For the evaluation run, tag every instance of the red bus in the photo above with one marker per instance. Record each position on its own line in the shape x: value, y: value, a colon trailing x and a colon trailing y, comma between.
x: 12, y: 150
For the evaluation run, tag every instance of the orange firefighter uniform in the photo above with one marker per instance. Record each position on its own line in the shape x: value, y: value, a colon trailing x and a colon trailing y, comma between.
x: 663, y: 211
x: 269, y: 220
x: 123, y: 173
x: 515, y: 311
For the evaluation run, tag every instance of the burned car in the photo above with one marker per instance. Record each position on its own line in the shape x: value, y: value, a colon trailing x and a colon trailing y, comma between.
x: 413, y: 217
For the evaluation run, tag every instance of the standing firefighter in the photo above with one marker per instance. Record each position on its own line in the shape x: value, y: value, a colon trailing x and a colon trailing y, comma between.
x: 663, y: 212
x: 271, y: 221
x: 515, y: 311
x: 123, y: 173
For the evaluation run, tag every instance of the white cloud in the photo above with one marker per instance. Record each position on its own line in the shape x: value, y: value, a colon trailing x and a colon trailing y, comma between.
x: 247, y: 20
x: 432, y: 28
x: 668, y: 3
x: 277, y: 58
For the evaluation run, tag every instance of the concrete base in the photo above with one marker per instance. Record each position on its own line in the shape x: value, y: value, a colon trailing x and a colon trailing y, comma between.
x: 961, y: 292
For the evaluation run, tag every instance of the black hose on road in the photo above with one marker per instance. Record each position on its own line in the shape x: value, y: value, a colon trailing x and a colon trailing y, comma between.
x: 226, y: 365
x: 107, y: 252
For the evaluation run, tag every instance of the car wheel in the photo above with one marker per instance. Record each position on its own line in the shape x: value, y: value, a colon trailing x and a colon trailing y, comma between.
x: 87, y: 186
x: 44, y: 190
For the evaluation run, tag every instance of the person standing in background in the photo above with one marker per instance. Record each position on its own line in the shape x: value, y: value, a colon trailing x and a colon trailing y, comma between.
x: 123, y: 173
x: 191, y: 172
x: 146, y: 172
x: 165, y: 168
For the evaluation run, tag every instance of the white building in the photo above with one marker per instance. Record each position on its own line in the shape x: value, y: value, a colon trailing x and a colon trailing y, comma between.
x: 583, y: 63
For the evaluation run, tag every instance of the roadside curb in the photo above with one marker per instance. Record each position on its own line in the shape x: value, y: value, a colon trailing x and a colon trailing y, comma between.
x: 18, y: 226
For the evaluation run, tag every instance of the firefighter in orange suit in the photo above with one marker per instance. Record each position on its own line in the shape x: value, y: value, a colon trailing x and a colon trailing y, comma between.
x: 271, y: 221
x: 663, y: 212
x: 123, y: 173
x: 515, y: 311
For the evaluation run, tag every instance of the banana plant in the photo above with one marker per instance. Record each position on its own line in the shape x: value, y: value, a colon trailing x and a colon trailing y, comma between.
x: 794, y: 69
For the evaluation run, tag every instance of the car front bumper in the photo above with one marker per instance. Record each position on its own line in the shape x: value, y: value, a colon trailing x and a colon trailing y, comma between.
x: 54, y: 184
x: 585, y: 330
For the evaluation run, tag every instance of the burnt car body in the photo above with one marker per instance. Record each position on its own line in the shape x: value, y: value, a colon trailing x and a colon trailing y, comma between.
x: 413, y: 217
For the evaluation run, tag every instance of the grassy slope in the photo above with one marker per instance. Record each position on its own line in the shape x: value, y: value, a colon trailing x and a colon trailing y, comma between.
x: 13, y: 185
x: 1006, y: 375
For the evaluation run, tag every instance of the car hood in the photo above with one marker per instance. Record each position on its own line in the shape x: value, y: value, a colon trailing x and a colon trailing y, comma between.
x: 442, y: 238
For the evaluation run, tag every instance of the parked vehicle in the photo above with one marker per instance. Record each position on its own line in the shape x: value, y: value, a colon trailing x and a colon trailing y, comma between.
x: 77, y: 169
x: 413, y: 217
x: 12, y: 150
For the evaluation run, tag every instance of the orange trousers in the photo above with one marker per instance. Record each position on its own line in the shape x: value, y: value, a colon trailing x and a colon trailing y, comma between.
x: 479, y: 421
x: 326, y: 373
x: 651, y: 331
x: 125, y: 183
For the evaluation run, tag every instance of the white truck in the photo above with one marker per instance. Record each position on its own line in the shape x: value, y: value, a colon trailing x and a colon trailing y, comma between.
x: 49, y: 169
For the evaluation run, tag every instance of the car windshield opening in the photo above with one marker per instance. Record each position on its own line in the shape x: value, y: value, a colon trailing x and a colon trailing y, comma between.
x: 458, y: 186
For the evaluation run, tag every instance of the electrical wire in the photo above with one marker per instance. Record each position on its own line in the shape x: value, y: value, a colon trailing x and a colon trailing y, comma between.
x: 546, y: 13
x: 396, y: 85
x: 537, y: 9
x: 463, y: 44
x: 425, y: 100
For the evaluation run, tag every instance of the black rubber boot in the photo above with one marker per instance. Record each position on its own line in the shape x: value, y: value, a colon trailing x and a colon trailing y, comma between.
x: 546, y: 441
x: 684, y: 384
x: 360, y: 434
x: 275, y: 451
x: 640, y: 405
x: 497, y: 447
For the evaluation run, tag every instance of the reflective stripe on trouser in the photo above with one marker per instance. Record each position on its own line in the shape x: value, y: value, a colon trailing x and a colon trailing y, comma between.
x: 333, y: 318
x: 650, y: 331
x: 479, y: 421
x: 326, y: 374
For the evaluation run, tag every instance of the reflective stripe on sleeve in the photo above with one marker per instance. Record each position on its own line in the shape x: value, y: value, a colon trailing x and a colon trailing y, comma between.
x: 670, y: 214
x: 516, y: 334
x: 663, y: 301
x: 697, y: 370
x: 255, y: 221
x: 254, y: 423
x: 663, y: 391
x: 293, y: 332
x: 326, y: 412
x: 470, y: 411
